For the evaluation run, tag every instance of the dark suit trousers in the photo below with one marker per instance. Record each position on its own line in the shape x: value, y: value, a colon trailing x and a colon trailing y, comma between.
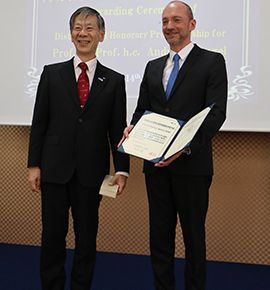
x: 84, y: 202
x: 170, y: 195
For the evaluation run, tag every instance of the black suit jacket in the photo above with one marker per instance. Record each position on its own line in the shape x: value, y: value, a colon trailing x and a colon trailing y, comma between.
x: 65, y: 137
x: 201, y: 81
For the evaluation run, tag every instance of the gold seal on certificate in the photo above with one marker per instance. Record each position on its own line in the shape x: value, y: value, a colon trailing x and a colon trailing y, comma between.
x: 156, y: 137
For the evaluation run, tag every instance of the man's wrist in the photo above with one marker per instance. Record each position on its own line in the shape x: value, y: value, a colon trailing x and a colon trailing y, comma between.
x: 122, y: 173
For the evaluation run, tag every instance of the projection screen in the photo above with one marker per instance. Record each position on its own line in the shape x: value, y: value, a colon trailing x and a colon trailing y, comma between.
x: 36, y: 33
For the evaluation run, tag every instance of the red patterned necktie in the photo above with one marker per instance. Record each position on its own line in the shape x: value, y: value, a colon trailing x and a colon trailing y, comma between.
x: 83, y: 84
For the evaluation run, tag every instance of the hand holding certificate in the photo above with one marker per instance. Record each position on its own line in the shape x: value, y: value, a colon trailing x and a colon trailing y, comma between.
x: 156, y: 137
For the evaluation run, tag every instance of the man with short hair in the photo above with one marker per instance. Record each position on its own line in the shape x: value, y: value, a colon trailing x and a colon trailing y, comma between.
x: 79, y: 115
x: 179, y: 186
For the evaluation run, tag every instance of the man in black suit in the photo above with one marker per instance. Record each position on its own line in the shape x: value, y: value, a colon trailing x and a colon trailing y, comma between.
x: 69, y: 150
x: 180, y: 185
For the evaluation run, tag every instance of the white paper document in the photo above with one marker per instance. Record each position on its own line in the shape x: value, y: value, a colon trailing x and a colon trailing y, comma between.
x: 108, y: 190
x: 156, y: 137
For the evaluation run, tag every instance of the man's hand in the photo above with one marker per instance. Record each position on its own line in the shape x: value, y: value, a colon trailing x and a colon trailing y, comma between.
x: 125, y: 134
x: 168, y: 161
x: 120, y: 180
x: 34, y: 178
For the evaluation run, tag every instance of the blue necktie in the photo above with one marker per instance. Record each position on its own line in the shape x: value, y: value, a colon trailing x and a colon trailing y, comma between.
x: 173, y: 75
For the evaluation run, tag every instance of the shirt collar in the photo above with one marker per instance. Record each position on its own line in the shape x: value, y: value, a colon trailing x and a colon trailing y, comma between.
x: 92, y: 63
x: 183, y: 53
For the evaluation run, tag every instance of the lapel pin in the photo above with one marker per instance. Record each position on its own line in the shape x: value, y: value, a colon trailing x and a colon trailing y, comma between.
x: 102, y: 79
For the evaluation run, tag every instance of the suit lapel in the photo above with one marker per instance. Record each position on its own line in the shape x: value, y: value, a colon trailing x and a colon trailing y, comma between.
x: 159, y: 69
x: 68, y: 75
x: 191, y: 59
x: 99, y: 81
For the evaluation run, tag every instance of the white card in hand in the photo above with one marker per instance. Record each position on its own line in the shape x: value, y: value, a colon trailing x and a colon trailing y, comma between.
x: 107, y: 189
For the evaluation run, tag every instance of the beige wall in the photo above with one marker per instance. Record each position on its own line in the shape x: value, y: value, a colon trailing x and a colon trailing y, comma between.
x: 238, y: 223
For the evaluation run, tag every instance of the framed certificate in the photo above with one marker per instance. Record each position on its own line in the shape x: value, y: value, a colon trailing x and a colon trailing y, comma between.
x: 156, y: 137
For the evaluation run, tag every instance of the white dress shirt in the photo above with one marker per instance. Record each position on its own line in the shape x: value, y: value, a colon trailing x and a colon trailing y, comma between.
x: 91, y: 64
x: 183, y: 53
